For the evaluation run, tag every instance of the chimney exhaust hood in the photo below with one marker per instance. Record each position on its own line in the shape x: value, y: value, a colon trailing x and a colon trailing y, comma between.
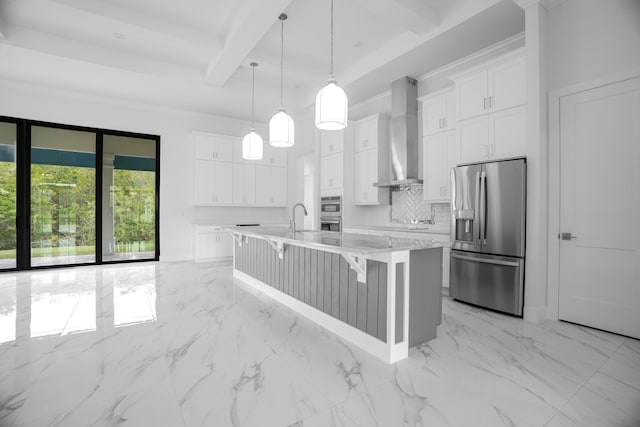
x: 404, y: 155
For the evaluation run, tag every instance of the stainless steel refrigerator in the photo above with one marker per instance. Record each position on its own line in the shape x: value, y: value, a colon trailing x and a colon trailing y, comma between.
x: 488, y: 205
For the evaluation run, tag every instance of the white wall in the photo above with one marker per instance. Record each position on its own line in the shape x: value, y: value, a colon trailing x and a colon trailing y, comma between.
x: 591, y: 38
x: 177, y: 215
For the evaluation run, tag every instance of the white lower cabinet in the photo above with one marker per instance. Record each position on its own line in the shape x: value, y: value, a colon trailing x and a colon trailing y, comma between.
x: 212, y: 244
x: 271, y: 186
x: 493, y: 136
x: 212, y: 183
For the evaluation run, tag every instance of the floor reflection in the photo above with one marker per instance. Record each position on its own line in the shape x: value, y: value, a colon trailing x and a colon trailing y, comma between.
x: 55, y: 303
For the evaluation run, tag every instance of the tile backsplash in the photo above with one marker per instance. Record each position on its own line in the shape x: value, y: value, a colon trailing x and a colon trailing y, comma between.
x: 407, y: 207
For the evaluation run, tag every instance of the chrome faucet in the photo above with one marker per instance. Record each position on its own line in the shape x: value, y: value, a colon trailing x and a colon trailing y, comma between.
x: 293, y: 216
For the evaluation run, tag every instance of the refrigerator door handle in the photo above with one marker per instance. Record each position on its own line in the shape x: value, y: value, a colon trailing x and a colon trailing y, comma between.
x: 485, y: 260
x: 454, y: 191
x: 483, y: 207
x: 476, y: 213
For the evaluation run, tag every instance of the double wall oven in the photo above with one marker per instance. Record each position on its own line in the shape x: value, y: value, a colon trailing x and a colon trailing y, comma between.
x: 331, y: 213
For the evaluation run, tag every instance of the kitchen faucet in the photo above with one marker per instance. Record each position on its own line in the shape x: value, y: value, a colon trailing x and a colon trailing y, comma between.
x: 293, y: 217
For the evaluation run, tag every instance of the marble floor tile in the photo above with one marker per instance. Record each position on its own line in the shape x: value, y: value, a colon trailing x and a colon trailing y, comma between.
x: 185, y: 344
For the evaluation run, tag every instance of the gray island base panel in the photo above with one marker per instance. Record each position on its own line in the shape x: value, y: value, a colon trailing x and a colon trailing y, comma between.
x: 383, y: 300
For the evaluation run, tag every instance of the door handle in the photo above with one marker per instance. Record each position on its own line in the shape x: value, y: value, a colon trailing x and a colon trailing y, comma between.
x: 483, y: 207
x: 485, y: 260
x: 566, y: 236
x: 476, y: 214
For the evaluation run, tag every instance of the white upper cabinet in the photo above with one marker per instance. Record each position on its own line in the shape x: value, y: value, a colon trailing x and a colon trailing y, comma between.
x: 223, y: 178
x: 209, y: 146
x: 439, y: 158
x: 366, y: 174
x: 331, y: 174
x: 273, y: 156
x: 438, y: 112
x: 494, y: 88
x: 212, y: 183
x: 366, y: 133
x: 331, y: 162
x: 331, y: 141
x: 244, y: 184
x: 271, y: 186
x: 371, y: 148
x: 496, y: 136
x: 491, y: 111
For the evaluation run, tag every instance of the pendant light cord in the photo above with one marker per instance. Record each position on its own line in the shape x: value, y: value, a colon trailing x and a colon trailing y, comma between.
x: 253, y: 89
x: 282, y: 61
x: 331, y: 74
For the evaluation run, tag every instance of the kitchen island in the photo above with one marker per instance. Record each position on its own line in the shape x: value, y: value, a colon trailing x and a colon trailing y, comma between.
x: 383, y: 294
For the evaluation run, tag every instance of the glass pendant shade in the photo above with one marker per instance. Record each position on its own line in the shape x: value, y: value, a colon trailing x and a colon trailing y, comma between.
x: 252, y: 146
x: 331, y: 107
x: 281, y: 130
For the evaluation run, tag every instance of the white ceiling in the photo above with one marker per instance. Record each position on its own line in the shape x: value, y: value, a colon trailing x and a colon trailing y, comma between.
x: 194, y: 54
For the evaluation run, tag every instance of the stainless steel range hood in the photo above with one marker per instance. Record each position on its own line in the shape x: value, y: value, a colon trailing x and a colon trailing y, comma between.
x: 404, y: 155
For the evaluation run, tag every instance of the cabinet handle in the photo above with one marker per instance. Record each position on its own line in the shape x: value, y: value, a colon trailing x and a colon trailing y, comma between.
x: 484, y: 103
x: 444, y: 122
x: 491, y: 102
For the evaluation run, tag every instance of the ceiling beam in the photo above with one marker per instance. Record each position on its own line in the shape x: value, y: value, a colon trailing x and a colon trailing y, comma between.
x: 414, y: 15
x: 249, y: 27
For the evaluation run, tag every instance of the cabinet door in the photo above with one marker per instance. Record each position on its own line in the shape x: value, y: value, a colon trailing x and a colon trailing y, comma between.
x: 331, y: 141
x: 204, y: 179
x: 507, y: 85
x: 448, y: 111
x: 222, y: 188
x: 507, y: 133
x: 435, y: 161
x: 213, y: 147
x: 471, y: 96
x: 366, y: 134
x: 432, y: 115
x: 361, y: 177
x: 264, y: 194
x: 244, y: 184
x: 331, y: 171
x: 224, y: 246
x: 473, y: 140
x: 279, y: 186
x: 273, y: 156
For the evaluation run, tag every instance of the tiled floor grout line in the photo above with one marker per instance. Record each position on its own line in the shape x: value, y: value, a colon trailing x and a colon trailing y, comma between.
x: 586, y: 382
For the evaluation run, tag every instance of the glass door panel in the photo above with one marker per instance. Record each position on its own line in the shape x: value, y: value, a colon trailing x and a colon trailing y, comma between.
x: 63, y: 194
x: 128, y: 198
x: 8, y: 241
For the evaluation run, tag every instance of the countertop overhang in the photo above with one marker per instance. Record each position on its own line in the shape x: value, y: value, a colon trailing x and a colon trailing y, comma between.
x: 336, y: 241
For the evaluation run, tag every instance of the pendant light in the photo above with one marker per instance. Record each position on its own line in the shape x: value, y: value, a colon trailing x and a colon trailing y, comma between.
x: 331, y: 101
x: 281, y: 128
x: 252, y: 142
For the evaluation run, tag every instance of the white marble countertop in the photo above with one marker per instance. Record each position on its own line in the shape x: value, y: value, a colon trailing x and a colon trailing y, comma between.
x: 413, y: 228
x: 337, y: 242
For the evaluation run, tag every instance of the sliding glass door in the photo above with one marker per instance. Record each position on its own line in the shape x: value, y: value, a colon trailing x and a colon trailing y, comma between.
x: 128, y: 198
x: 63, y: 195
x: 8, y: 192
x: 75, y: 195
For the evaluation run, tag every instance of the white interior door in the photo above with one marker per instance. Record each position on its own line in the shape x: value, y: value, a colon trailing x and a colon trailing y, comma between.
x: 600, y: 208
